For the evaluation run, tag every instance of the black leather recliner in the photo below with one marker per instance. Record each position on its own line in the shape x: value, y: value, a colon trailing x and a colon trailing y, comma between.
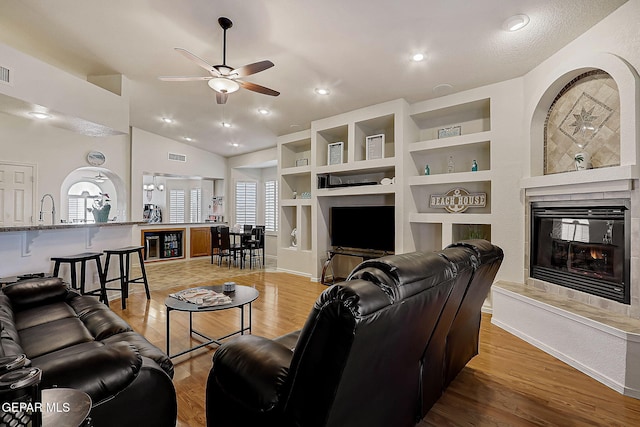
x: 373, y: 351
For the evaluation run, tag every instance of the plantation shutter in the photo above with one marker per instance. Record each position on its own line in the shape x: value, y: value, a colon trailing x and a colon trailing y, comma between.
x: 176, y: 206
x: 246, y: 202
x: 196, y: 205
x: 271, y: 206
x: 77, y: 209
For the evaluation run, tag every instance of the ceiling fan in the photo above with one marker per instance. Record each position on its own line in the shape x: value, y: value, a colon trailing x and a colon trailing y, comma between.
x: 225, y: 79
x: 98, y: 178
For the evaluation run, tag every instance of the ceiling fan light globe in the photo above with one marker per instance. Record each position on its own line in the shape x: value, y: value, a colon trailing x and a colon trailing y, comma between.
x: 223, y: 85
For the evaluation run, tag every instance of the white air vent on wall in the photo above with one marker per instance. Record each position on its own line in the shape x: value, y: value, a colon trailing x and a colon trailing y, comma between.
x: 177, y: 157
x: 5, y: 76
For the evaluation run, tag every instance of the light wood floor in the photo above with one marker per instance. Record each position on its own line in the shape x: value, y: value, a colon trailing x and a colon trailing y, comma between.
x: 510, y: 383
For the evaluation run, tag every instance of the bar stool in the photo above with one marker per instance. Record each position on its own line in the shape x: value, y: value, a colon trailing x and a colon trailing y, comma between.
x: 124, y: 278
x: 82, y: 258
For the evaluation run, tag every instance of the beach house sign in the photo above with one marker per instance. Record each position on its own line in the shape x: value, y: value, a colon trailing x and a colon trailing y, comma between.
x: 458, y: 200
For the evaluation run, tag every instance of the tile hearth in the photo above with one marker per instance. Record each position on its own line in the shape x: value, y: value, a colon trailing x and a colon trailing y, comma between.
x: 603, y: 345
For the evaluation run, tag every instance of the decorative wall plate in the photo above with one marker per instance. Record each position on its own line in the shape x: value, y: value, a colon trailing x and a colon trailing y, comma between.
x: 96, y: 158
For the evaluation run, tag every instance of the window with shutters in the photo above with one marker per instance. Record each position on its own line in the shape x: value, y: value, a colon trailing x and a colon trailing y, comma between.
x: 176, y: 206
x: 246, y: 201
x: 195, y: 204
x: 271, y: 205
x: 81, y: 196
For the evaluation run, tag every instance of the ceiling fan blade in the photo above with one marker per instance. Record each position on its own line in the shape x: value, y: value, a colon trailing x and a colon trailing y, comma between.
x: 183, y: 78
x: 249, y: 69
x: 201, y: 62
x: 221, y: 98
x: 257, y: 88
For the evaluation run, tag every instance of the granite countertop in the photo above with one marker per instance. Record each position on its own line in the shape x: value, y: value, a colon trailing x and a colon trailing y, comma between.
x: 63, y: 226
x: 180, y: 224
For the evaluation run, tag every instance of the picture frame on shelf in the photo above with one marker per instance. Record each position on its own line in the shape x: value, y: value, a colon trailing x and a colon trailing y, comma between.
x: 302, y: 162
x: 334, y: 153
x: 375, y: 147
x: 449, y: 132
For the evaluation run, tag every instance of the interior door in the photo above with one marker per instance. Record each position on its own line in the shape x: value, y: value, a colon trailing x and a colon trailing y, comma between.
x: 16, y: 194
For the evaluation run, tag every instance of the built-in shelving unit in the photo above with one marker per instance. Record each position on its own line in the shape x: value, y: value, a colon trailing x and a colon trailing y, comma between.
x: 470, y: 124
x: 364, y: 177
x: 408, y: 138
x: 295, y: 158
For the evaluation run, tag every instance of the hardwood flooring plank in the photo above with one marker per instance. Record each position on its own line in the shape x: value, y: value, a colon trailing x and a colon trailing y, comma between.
x: 510, y: 382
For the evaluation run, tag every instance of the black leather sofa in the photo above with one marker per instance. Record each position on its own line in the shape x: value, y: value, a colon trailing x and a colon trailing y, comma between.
x: 80, y: 343
x: 376, y: 350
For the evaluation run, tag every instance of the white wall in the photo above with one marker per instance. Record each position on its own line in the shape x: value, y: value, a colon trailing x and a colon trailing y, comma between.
x: 37, y: 83
x: 58, y: 152
x: 149, y: 156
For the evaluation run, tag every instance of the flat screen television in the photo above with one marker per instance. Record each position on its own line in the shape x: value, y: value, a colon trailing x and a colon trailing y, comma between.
x: 363, y: 227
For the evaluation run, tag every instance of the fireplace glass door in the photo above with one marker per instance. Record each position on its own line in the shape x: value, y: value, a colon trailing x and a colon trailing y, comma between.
x: 582, y: 247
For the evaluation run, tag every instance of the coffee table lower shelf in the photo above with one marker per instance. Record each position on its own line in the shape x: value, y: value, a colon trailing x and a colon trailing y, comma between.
x: 241, y: 297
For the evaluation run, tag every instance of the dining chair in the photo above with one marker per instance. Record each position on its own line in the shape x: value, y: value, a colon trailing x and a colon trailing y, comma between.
x: 215, y: 243
x: 245, y: 236
x: 227, y: 250
x: 256, y: 245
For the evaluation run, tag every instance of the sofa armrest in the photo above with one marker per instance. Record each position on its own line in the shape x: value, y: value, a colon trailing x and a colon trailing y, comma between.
x: 252, y: 371
x: 101, y: 372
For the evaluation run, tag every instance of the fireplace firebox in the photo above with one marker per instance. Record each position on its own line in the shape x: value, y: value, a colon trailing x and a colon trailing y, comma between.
x: 583, y: 245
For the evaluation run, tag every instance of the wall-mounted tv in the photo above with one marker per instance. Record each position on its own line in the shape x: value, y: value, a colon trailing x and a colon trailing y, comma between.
x: 363, y: 227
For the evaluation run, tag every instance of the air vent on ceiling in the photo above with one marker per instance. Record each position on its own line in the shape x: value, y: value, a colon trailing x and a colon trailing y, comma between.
x: 177, y: 157
x: 5, y: 76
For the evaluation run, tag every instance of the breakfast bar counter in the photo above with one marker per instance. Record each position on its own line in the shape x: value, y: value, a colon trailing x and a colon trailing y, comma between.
x: 28, y: 248
x: 63, y: 226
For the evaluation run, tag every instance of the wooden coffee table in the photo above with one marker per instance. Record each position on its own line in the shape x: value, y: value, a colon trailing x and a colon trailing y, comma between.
x: 242, y: 296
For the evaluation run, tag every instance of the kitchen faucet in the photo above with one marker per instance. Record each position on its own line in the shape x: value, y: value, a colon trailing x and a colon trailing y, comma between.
x: 53, y: 208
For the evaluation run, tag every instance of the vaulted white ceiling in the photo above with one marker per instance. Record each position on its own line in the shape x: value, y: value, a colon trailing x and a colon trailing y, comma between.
x: 359, y: 49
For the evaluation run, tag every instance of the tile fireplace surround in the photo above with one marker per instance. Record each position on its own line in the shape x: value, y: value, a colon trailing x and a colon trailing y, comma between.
x: 597, y: 336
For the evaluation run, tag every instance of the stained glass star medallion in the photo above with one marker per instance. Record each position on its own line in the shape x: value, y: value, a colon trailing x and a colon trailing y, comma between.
x: 587, y: 116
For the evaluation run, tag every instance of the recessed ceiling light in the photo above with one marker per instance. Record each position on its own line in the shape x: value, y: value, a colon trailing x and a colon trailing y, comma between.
x: 515, y: 23
x: 226, y: 124
x: 39, y: 115
x: 417, y: 57
x: 188, y: 139
x: 322, y: 91
x: 235, y: 144
x: 442, y: 89
x: 263, y: 111
x: 167, y: 120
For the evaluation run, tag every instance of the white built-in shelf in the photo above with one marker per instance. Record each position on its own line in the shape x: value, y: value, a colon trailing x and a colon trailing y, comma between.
x: 450, y: 178
x: 298, y: 170
x: 362, y: 166
x: 295, y: 202
x: 434, y: 144
x: 356, y: 190
x: 449, y: 218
